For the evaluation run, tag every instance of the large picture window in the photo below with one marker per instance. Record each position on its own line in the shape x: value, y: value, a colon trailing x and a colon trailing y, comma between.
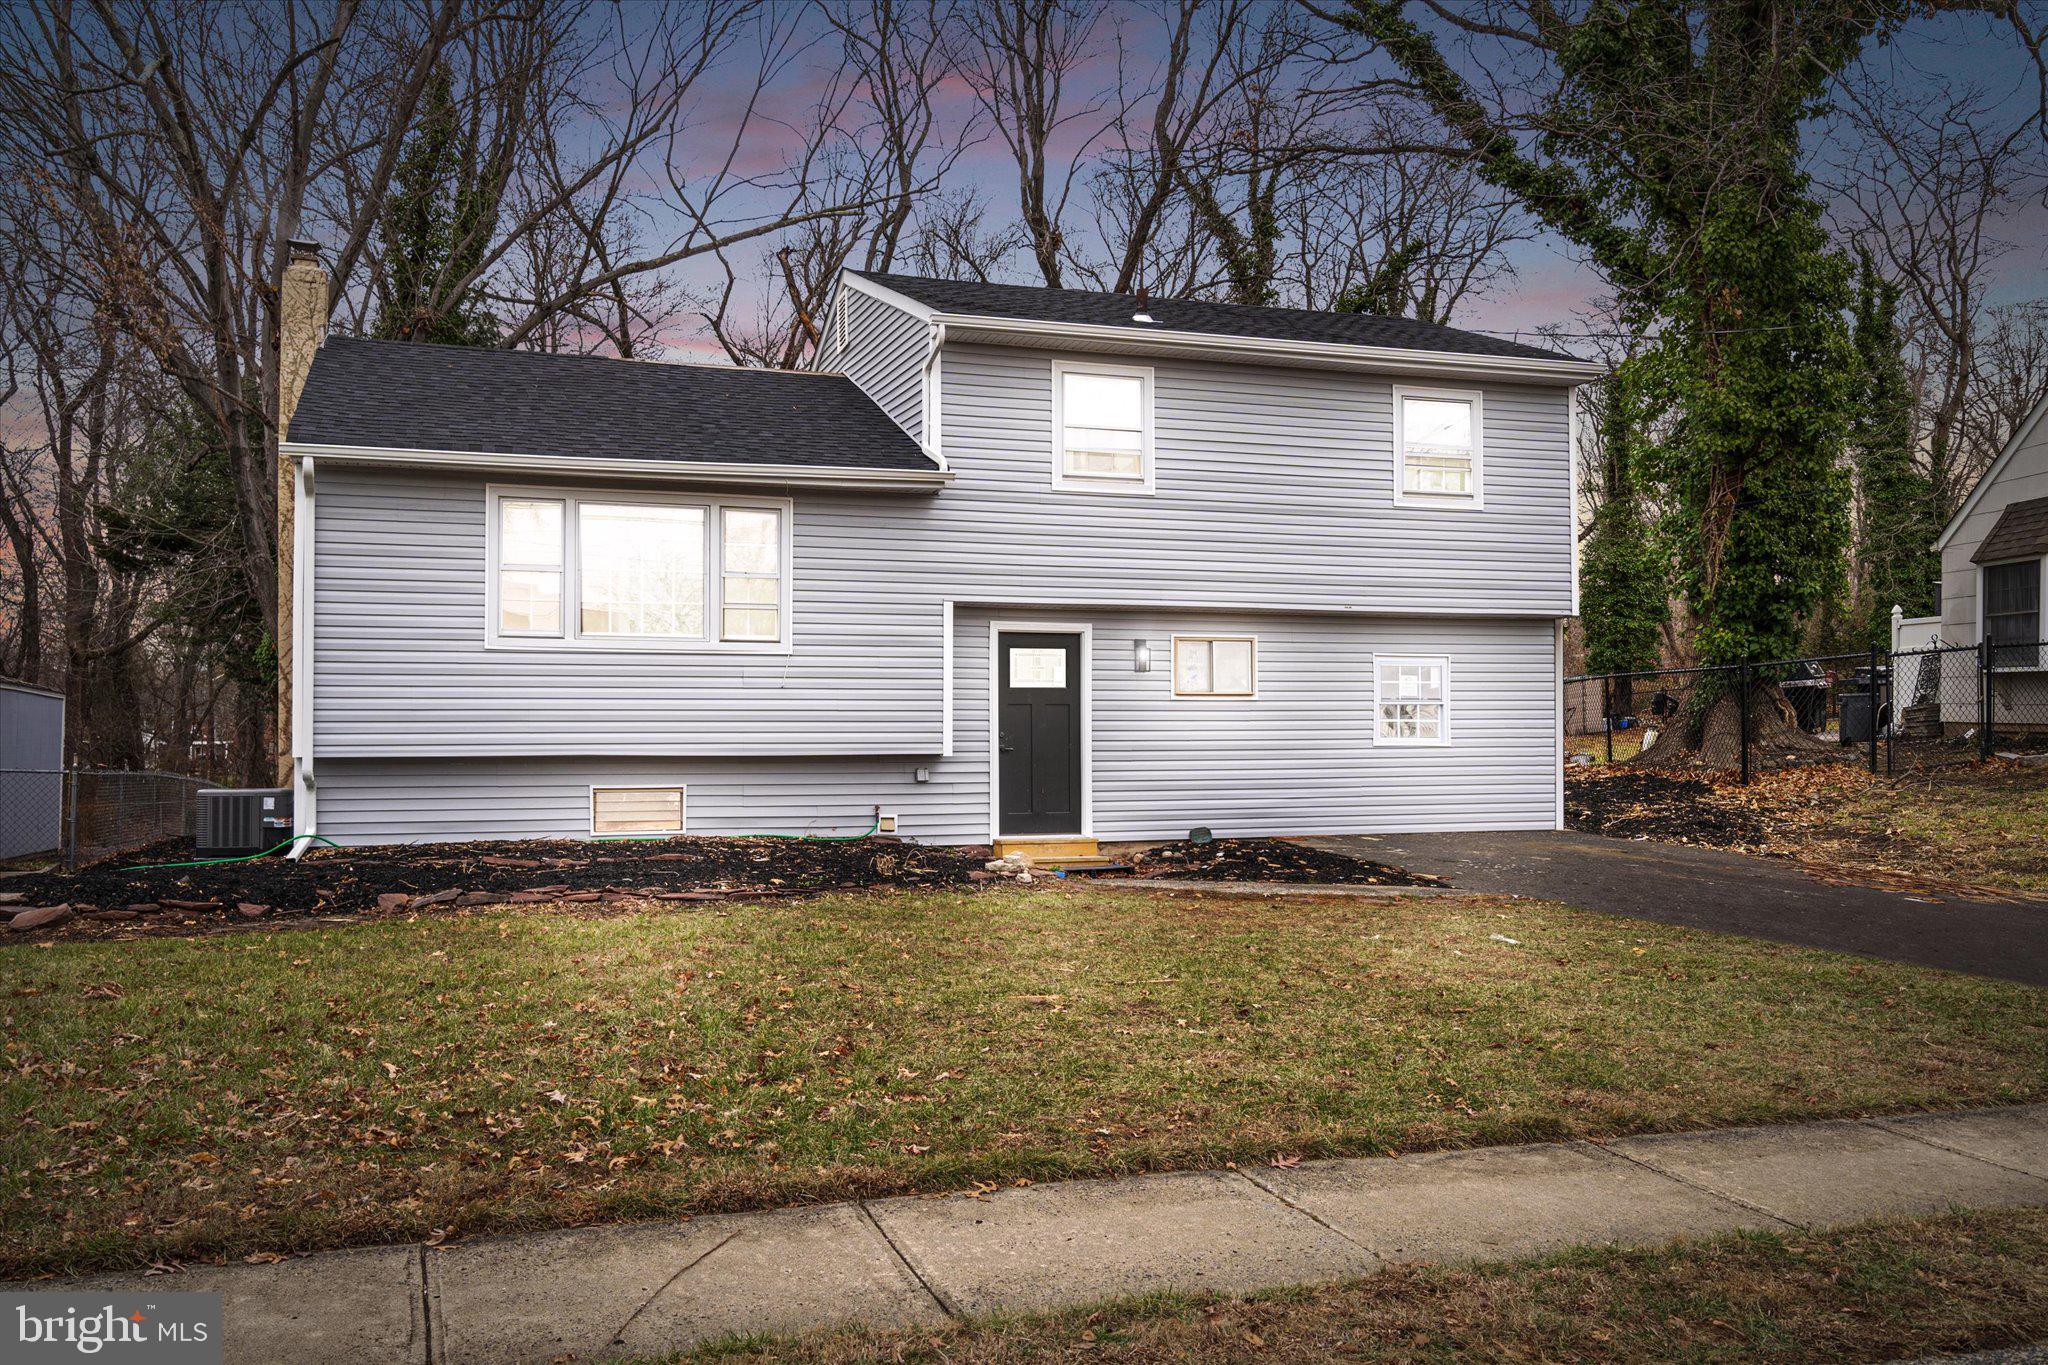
x: 2012, y: 613
x: 1438, y: 448
x: 1103, y: 417
x: 615, y: 569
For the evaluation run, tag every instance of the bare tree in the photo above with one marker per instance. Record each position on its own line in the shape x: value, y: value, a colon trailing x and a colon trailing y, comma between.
x: 1023, y: 53
x: 1928, y: 187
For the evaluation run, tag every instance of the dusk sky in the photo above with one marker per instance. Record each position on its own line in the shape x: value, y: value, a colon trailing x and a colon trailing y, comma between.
x: 1550, y: 285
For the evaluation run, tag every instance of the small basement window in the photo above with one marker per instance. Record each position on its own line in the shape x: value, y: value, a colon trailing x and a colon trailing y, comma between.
x: 1215, y: 666
x: 1411, y: 698
x: 636, y: 810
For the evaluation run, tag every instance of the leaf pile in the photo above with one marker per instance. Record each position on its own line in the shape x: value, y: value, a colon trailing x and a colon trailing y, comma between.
x: 413, y: 877
x: 1270, y: 860
x: 1645, y: 803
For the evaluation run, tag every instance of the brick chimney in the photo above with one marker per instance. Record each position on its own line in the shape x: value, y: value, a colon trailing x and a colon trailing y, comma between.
x: 301, y: 327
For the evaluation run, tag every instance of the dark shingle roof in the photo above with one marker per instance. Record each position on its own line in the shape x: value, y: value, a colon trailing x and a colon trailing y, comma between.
x: 2021, y: 532
x: 1039, y: 304
x: 415, y: 397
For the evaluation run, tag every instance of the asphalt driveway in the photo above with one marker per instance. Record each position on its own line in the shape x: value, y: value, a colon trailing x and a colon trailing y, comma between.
x: 1727, y: 892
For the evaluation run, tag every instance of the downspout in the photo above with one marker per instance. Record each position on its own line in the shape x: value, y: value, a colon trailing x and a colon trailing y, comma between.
x: 934, y: 377
x: 305, y: 810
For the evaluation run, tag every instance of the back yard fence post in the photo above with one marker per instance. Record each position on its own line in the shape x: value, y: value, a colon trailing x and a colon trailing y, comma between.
x: 1742, y: 710
x: 1876, y: 711
x: 71, y: 826
x: 1983, y: 699
x: 1607, y: 714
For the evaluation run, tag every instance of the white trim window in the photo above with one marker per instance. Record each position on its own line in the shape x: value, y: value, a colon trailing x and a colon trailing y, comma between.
x: 617, y: 811
x: 1439, y: 453
x: 613, y: 570
x: 2010, y: 597
x: 1102, y: 423
x: 1411, y: 700
x: 1215, y: 666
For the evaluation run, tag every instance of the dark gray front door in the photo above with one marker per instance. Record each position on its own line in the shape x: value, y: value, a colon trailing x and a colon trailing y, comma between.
x: 1038, y: 733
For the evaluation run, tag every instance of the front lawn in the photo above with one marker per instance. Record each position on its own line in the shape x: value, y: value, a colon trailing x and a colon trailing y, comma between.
x: 1893, y: 1290
x: 288, y: 1090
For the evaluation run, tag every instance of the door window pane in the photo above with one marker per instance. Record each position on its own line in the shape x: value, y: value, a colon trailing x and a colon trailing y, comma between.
x: 642, y: 569
x: 1038, y: 668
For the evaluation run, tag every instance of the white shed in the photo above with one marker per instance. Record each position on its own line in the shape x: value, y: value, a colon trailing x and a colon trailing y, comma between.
x: 31, y: 770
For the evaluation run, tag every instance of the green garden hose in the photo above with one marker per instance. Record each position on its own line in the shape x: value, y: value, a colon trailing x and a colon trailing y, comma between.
x: 245, y: 858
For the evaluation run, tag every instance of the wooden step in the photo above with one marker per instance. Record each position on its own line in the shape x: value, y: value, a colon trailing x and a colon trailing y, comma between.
x: 1043, y: 849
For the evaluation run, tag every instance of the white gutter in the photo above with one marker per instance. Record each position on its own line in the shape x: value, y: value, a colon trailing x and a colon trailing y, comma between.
x: 305, y: 812
x: 660, y: 471
x: 1397, y: 359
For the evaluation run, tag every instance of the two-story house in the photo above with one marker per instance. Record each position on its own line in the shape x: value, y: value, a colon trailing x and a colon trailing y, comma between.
x: 1010, y: 562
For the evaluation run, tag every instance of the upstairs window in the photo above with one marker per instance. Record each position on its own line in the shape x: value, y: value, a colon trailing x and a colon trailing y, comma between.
x: 1103, y: 415
x: 1411, y: 700
x: 637, y: 570
x: 1437, y: 447
x: 2012, y: 613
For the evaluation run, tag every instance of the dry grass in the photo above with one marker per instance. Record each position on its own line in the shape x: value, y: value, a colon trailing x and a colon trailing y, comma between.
x: 177, y: 1098
x: 1973, y: 825
x: 1627, y: 744
x: 1883, y: 1291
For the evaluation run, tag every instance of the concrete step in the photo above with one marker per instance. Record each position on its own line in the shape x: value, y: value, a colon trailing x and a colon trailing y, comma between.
x: 1040, y: 848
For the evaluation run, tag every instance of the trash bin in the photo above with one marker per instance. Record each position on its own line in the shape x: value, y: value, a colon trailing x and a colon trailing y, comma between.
x: 1856, y: 724
x: 1807, y: 691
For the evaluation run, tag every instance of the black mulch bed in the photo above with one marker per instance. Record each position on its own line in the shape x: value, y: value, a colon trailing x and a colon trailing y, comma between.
x: 1648, y: 804
x: 394, y: 879
x: 1270, y: 860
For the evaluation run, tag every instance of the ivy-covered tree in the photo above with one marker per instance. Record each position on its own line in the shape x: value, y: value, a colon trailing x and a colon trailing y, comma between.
x: 174, y: 520
x: 434, y: 230
x: 1895, y: 557
x: 1623, y: 575
x: 1384, y: 292
x: 1662, y: 138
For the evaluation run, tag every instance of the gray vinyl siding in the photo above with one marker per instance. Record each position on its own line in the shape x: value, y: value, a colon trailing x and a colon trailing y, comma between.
x: 1274, y: 493
x: 884, y: 354
x: 401, y: 667
x: 1299, y: 757
x: 1274, y: 489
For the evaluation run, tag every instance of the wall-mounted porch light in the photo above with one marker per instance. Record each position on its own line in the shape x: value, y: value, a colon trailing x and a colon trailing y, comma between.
x: 1141, y: 656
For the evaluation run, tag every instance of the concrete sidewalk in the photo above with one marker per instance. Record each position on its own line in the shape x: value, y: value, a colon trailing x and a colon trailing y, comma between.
x: 597, y: 1292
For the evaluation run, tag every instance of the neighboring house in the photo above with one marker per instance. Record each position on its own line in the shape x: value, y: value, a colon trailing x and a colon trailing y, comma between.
x: 1013, y: 562
x: 1994, y: 576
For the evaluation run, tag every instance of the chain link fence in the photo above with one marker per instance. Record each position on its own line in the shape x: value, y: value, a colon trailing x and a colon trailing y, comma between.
x: 1889, y: 710
x: 80, y: 814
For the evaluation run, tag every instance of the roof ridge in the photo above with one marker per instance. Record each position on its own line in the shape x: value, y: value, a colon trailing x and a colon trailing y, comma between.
x: 719, y: 366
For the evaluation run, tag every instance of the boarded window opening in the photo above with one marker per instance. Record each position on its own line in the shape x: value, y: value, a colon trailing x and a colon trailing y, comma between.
x: 636, y: 810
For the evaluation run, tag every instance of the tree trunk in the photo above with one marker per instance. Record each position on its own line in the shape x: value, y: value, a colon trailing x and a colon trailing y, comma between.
x: 1712, y: 737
